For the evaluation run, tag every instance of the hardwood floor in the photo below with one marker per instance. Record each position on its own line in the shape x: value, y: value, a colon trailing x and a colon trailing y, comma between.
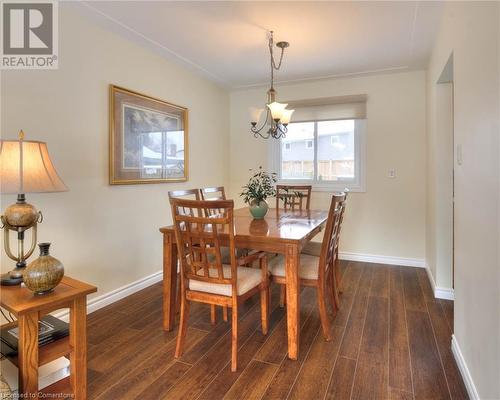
x: 391, y: 340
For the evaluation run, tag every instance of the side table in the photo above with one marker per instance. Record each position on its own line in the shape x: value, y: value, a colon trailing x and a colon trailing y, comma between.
x: 29, y: 309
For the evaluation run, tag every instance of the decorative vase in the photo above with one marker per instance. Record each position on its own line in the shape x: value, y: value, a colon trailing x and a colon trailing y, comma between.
x: 258, y: 209
x: 43, y: 274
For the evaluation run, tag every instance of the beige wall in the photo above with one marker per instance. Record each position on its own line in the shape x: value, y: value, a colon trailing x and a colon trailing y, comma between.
x: 389, y: 218
x: 107, y: 235
x: 498, y: 246
x: 470, y: 31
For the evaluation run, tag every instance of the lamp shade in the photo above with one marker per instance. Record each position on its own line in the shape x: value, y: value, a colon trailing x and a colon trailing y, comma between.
x: 286, y: 117
x: 26, y: 167
x: 255, y: 114
x: 277, y: 109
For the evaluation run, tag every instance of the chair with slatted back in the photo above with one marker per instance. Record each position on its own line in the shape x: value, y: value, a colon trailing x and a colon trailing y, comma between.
x: 204, y: 278
x: 319, y: 271
x: 213, y: 193
x: 193, y: 194
x: 337, y: 260
x: 197, y: 194
x: 293, y: 197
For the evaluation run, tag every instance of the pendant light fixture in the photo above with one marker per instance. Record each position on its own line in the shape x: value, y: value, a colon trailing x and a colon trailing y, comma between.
x: 277, y: 115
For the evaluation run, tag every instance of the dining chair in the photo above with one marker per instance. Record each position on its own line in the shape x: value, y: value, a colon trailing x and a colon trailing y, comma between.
x: 193, y: 194
x: 204, y: 278
x: 319, y: 271
x: 197, y: 194
x: 293, y: 196
x: 183, y: 194
x: 338, y: 275
x: 211, y: 194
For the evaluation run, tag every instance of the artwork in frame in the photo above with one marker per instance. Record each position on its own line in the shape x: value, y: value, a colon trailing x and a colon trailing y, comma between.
x: 148, y: 139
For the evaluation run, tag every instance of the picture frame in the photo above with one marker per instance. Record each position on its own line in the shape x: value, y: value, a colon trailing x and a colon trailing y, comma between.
x: 148, y: 139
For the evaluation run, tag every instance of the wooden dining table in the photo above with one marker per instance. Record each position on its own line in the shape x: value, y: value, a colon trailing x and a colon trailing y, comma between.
x: 281, y: 231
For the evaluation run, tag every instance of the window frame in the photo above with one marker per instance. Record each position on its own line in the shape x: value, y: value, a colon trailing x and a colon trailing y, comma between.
x: 358, y: 184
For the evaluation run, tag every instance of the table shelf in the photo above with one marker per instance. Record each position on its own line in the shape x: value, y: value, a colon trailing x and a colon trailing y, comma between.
x: 49, y: 352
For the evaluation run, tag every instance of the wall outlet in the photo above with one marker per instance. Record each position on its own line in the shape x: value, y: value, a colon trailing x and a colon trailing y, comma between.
x: 391, y: 173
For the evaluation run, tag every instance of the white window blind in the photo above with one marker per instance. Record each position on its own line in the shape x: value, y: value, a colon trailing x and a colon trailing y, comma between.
x: 329, y: 109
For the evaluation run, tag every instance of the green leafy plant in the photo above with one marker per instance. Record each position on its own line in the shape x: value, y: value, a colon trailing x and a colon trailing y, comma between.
x: 259, y: 187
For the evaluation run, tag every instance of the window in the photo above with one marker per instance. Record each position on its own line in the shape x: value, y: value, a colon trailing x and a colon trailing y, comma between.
x: 329, y: 155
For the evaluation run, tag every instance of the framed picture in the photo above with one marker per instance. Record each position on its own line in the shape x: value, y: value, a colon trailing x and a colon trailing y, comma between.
x: 148, y: 139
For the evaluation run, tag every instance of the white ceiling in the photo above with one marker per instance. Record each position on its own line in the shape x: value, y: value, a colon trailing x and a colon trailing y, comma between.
x: 227, y: 41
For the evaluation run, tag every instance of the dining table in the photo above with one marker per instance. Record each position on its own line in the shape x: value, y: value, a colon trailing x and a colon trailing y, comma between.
x: 282, y: 231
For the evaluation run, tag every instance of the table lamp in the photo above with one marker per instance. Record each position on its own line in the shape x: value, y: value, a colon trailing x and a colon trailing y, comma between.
x: 25, y: 167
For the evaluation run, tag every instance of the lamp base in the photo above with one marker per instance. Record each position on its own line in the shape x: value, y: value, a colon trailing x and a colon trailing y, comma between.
x: 8, y: 280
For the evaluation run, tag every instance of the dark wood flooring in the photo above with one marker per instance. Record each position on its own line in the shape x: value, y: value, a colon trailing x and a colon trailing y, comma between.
x: 391, y: 341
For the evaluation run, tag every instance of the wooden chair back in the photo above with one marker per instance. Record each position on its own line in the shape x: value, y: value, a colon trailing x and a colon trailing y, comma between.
x: 193, y: 194
x: 343, y: 206
x: 212, y: 194
x: 198, y: 239
x: 293, y: 196
x: 328, y: 253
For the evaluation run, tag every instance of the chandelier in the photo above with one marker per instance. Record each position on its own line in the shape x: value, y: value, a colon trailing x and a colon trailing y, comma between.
x: 277, y: 115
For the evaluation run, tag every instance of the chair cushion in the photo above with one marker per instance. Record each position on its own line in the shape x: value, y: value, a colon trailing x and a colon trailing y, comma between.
x: 248, y: 278
x: 308, y: 266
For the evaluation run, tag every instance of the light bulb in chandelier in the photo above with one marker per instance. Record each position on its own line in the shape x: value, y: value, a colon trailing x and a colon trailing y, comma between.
x: 277, y: 110
x: 286, y: 116
x: 255, y: 114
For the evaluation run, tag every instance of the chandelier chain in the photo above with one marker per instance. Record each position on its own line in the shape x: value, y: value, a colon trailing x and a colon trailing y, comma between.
x: 274, y: 66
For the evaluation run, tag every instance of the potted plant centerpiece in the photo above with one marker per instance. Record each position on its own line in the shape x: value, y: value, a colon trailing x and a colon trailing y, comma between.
x: 259, y: 187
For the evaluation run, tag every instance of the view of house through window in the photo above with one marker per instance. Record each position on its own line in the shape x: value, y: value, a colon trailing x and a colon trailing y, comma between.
x: 298, y: 161
x: 319, y: 151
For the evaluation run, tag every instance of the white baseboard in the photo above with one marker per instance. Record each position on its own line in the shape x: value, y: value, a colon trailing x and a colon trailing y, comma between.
x: 440, y: 292
x: 370, y: 258
x: 444, y: 293
x: 106, y: 299
x: 462, y: 366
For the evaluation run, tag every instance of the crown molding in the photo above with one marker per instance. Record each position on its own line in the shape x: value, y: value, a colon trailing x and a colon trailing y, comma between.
x: 380, y: 71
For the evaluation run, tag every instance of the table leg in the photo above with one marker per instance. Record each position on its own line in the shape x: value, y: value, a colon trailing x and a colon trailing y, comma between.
x: 78, y: 342
x: 28, y: 354
x: 292, y: 259
x: 169, y: 280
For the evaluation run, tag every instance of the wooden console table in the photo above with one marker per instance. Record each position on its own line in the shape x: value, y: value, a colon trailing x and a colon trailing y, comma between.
x: 28, y: 309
